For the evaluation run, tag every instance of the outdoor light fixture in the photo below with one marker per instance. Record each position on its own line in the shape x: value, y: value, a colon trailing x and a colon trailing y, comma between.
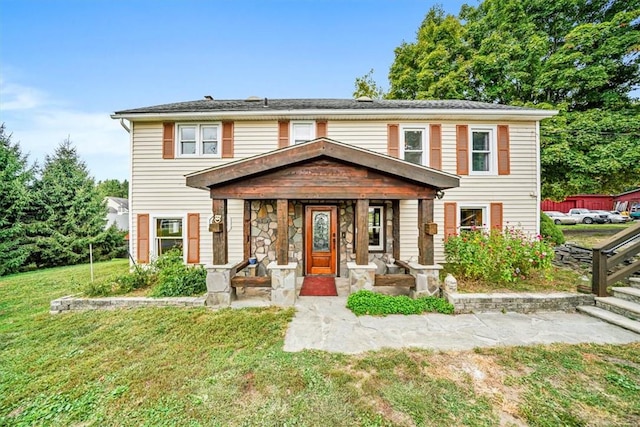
x: 439, y: 194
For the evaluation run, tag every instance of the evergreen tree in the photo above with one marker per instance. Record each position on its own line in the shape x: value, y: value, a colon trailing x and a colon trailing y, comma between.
x: 15, y: 177
x: 69, y: 212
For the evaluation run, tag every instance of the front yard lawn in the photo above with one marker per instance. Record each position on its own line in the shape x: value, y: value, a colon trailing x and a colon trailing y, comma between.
x: 193, y: 367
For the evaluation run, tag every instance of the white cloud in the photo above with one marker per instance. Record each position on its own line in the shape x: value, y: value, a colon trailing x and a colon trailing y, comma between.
x: 39, y: 125
x: 17, y: 97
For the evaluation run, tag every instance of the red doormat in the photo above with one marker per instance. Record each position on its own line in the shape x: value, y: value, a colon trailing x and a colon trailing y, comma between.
x: 319, y: 286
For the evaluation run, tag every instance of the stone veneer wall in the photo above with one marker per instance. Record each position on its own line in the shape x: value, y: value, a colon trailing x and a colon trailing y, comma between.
x: 517, y: 302
x: 264, y: 231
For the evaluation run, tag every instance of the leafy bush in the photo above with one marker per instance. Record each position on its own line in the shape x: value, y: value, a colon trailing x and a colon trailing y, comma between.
x: 167, y: 276
x: 550, y: 231
x: 497, y: 256
x: 177, y: 279
x: 368, y: 302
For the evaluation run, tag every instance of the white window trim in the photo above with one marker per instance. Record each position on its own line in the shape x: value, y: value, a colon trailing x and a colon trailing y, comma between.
x: 493, y: 148
x: 293, y: 123
x: 425, y: 140
x: 381, y: 246
x: 152, y: 232
x: 198, y: 127
x: 486, y: 221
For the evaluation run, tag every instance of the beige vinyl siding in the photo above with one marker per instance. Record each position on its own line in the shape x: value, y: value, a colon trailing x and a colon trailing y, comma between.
x: 371, y: 135
x: 158, y: 186
x: 517, y: 191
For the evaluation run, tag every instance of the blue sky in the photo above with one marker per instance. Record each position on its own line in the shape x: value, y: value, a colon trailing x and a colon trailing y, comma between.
x: 65, y: 66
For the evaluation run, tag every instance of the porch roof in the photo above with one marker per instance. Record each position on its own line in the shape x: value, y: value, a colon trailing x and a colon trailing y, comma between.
x: 321, y: 149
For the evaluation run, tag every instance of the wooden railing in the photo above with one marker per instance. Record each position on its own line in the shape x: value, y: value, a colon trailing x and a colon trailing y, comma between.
x: 613, y: 251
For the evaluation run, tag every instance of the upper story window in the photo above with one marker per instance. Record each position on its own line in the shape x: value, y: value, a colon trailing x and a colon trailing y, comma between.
x: 199, y: 140
x: 483, y: 150
x: 414, y: 145
x: 302, y: 132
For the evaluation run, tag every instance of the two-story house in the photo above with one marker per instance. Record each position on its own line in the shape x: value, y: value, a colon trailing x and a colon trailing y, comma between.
x: 322, y: 185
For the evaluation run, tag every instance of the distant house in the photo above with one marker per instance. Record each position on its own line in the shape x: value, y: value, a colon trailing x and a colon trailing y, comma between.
x: 118, y: 213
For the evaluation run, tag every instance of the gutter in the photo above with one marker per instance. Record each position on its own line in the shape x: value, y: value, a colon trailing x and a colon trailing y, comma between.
x: 531, y: 114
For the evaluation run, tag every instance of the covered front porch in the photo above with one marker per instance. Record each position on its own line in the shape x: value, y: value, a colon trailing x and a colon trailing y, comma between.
x: 321, y: 208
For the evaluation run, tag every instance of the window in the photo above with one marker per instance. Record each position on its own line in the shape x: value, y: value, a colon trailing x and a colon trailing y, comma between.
x: 199, y: 140
x: 482, y: 150
x: 169, y: 235
x: 376, y: 228
x: 302, y: 132
x: 472, y: 218
x: 414, y: 145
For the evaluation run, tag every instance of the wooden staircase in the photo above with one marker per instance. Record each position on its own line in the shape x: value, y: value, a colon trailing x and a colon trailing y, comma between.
x: 621, y: 309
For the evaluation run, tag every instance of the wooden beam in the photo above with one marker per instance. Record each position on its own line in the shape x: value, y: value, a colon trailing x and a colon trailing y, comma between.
x: 282, y: 241
x: 425, y: 241
x: 251, y: 282
x: 394, y: 280
x: 220, y: 254
x: 246, y: 230
x: 403, y: 264
x: 362, y: 227
x: 599, y: 273
x: 396, y: 228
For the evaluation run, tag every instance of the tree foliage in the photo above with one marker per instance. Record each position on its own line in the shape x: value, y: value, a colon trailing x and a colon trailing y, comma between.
x: 366, y: 86
x: 580, y: 52
x: 113, y: 188
x: 15, y: 178
x: 580, y: 56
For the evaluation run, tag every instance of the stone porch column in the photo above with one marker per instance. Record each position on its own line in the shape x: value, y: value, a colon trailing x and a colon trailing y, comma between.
x: 361, y: 276
x: 220, y: 293
x: 283, y: 283
x: 427, y: 279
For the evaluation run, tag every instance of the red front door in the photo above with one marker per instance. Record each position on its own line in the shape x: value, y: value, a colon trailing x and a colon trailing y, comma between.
x: 321, y: 224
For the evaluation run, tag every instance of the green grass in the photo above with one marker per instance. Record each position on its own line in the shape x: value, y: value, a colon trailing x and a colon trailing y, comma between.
x: 192, y: 367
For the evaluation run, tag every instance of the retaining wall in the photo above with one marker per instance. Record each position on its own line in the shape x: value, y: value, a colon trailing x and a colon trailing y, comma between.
x: 520, y: 302
x: 71, y: 302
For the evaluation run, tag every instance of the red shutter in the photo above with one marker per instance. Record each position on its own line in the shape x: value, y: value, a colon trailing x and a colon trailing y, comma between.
x: 450, y: 219
x: 168, y: 141
x: 321, y: 129
x: 435, y: 144
x: 193, y: 238
x: 227, y: 139
x: 462, y: 149
x: 142, y: 245
x: 283, y: 133
x: 393, y: 138
x: 496, y: 215
x: 504, y: 166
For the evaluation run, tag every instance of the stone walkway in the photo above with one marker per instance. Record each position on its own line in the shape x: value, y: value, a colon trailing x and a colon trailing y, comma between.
x: 324, y: 323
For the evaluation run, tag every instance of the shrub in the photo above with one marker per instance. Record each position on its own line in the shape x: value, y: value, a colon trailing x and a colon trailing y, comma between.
x: 368, y: 302
x: 549, y: 231
x: 176, y: 279
x: 497, y: 256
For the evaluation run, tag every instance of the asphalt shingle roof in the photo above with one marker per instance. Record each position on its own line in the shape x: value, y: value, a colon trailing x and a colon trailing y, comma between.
x: 263, y: 104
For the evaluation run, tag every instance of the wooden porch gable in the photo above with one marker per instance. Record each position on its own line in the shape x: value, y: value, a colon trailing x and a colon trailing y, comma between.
x: 322, y: 169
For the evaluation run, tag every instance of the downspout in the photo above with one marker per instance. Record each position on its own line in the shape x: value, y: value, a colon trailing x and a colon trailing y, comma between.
x: 125, y: 126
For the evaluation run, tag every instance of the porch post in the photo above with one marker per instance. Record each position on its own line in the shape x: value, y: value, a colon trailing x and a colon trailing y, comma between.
x: 362, y: 227
x: 282, y: 242
x: 396, y: 228
x: 425, y: 234
x: 220, y: 255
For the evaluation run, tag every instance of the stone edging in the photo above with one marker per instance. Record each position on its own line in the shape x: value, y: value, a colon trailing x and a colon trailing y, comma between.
x: 517, y: 302
x: 71, y: 302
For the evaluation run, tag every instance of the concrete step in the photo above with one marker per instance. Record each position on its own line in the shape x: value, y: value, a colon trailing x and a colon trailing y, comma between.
x: 610, y: 317
x: 627, y: 293
x: 619, y: 306
x: 634, y: 282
